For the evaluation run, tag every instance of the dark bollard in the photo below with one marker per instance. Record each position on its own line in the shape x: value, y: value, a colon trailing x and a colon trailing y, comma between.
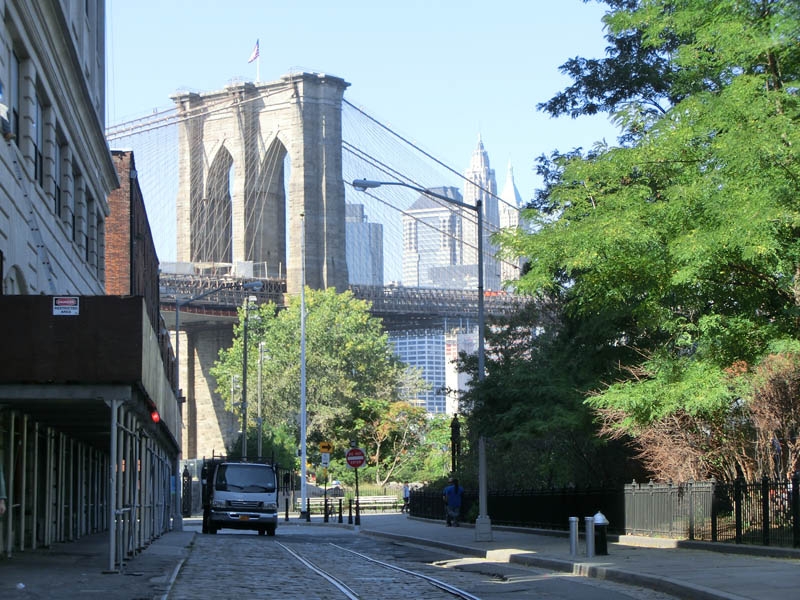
x: 340, y: 510
x: 308, y: 510
x: 286, y: 504
x: 350, y: 512
x: 601, y: 539
x: 186, y: 498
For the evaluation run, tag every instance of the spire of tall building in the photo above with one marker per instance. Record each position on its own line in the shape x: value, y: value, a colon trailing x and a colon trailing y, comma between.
x: 481, y: 186
x: 510, y: 194
x: 510, y: 204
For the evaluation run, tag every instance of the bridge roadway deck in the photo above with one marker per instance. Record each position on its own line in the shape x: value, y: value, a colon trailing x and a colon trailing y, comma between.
x: 394, y: 304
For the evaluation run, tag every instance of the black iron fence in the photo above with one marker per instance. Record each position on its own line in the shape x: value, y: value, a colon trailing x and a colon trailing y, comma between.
x: 763, y: 513
x: 543, y: 509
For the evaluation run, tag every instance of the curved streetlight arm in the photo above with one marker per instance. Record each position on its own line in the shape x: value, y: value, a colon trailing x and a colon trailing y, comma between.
x: 363, y: 185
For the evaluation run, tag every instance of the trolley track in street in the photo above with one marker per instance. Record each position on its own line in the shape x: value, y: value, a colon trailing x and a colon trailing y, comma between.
x: 338, y: 579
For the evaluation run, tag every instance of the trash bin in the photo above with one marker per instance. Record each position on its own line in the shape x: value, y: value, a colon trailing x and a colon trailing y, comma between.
x: 600, y: 534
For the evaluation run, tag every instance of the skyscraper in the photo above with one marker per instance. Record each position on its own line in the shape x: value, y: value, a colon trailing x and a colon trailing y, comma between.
x: 433, y: 248
x: 482, y: 185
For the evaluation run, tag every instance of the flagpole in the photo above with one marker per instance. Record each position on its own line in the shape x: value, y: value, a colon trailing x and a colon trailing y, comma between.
x: 258, y: 68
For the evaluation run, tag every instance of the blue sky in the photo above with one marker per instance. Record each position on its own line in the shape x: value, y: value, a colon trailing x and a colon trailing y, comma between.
x: 440, y: 72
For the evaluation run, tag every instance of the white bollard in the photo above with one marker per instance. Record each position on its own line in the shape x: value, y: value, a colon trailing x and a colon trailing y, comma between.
x: 589, y: 536
x: 573, y: 536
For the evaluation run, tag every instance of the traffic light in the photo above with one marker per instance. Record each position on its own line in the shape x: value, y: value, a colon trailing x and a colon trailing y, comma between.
x: 155, y: 416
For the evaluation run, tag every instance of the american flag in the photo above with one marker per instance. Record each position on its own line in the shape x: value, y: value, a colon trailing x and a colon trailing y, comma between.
x: 254, y: 54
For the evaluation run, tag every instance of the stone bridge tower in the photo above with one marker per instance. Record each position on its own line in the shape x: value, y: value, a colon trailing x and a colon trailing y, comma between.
x: 232, y: 202
x: 240, y: 212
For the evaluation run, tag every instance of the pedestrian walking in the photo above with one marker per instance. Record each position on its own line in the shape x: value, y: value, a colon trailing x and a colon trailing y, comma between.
x: 406, y: 498
x: 451, y: 495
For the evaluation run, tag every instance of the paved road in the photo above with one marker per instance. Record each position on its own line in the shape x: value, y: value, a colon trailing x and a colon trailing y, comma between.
x: 243, y: 565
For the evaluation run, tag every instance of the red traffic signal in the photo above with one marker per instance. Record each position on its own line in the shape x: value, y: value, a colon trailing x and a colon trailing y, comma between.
x: 155, y: 416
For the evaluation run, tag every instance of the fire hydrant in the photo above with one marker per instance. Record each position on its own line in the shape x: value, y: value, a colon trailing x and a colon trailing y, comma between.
x: 601, y: 541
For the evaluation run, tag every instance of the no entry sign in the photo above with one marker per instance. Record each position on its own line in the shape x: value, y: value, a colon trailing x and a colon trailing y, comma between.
x: 355, y: 458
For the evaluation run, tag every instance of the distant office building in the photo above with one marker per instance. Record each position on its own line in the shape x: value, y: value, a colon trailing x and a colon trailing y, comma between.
x: 364, y: 247
x: 510, y: 205
x: 433, y: 246
x: 440, y: 240
x: 424, y: 349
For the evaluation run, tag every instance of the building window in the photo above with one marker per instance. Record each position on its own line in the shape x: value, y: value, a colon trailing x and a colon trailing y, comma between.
x: 37, y: 127
x: 89, y: 236
x: 77, y: 203
x: 57, y: 176
x: 13, y: 96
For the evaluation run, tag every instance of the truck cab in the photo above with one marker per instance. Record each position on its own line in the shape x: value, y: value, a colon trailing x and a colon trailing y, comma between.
x: 239, y: 494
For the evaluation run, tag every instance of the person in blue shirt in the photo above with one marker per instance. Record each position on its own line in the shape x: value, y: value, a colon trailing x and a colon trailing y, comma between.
x: 452, y: 497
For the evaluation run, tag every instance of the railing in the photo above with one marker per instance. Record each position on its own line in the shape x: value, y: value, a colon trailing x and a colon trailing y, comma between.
x: 667, y: 510
x: 763, y: 513
x: 542, y: 509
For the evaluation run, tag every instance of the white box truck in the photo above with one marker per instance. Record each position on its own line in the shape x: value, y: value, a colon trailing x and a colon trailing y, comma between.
x: 239, y: 494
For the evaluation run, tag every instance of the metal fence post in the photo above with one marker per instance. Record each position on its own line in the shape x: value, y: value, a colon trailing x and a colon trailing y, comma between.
x: 714, y: 508
x: 765, y: 510
x: 690, y: 486
x: 737, y: 506
x: 796, y: 509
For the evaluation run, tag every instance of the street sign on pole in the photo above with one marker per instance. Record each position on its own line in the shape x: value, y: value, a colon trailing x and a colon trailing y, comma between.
x: 326, y: 459
x: 355, y: 458
x: 325, y: 447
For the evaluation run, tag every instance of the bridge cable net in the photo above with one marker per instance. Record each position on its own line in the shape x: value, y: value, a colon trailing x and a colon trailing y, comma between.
x: 370, y: 150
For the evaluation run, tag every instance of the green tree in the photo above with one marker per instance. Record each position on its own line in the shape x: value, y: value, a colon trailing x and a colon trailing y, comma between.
x: 679, y: 248
x: 348, y: 360
x: 391, y: 431
x: 531, y: 406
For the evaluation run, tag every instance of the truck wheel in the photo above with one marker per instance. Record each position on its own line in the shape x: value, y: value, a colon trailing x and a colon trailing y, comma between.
x: 212, y: 530
x: 271, y: 530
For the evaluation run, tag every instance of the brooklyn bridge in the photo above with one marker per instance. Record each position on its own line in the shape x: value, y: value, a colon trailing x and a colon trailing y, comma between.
x: 250, y: 183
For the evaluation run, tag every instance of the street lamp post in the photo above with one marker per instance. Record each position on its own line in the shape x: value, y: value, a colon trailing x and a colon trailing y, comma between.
x: 483, y: 525
x: 260, y: 421
x: 246, y: 307
x: 304, y: 513
x: 250, y: 285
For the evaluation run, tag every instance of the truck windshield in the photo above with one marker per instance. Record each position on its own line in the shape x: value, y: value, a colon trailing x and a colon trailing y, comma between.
x: 245, y: 478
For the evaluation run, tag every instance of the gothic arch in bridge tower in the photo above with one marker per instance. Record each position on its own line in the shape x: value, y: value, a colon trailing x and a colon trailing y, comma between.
x: 234, y: 210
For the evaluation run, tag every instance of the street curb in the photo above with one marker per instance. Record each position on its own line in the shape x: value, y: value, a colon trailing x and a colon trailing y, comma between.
x: 660, y: 584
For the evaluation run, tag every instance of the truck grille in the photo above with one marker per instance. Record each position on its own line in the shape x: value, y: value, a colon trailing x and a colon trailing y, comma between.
x: 244, y: 505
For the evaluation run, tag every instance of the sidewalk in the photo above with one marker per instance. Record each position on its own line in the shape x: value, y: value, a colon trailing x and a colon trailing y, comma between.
x: 80, y: 570
x: 77, y: 570
x: 684, y: 569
